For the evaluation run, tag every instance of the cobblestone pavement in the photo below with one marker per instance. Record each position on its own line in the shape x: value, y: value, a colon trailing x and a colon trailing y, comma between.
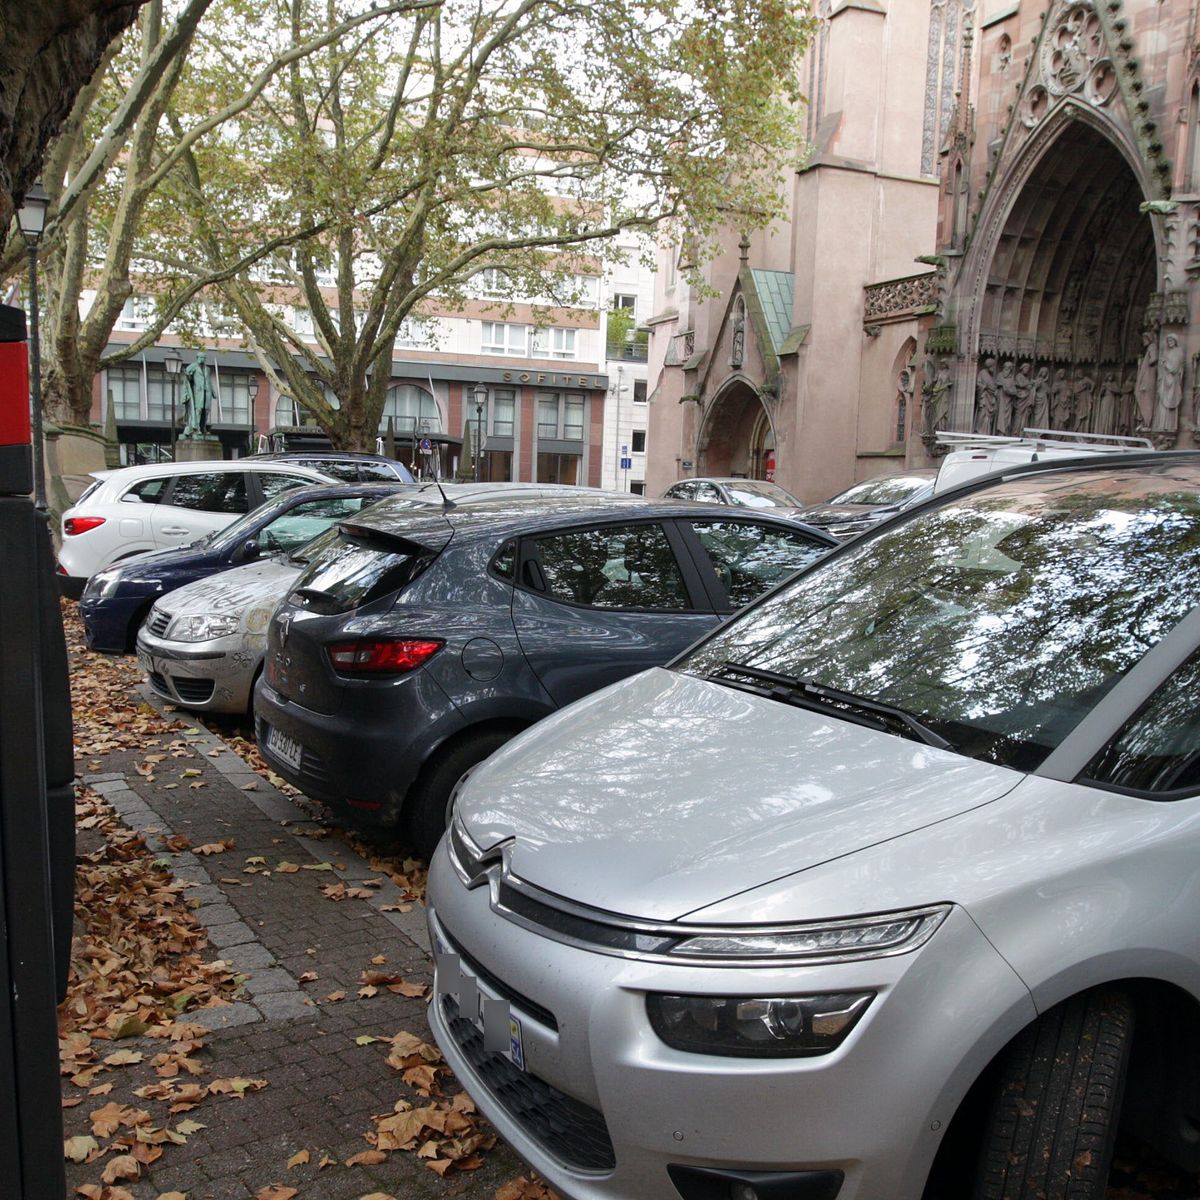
x: 297, y: 948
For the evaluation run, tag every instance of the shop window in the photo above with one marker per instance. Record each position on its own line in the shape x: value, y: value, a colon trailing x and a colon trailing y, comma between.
x: 125, y: 392
x: 414, y: 410
x: 558, y: 468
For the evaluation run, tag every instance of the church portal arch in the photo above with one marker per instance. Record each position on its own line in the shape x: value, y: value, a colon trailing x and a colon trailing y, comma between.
x: 737, y: 434
x: 1056, y: 286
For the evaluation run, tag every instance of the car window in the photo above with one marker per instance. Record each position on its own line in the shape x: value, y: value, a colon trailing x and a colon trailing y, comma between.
x: 999, y: 619
x: 631, y: 566
x: 708, y: 492
x: 749, y: 559
x: 1158, y: 750
x: 215, y: 492
x: 891, y: 489
x: 275, y: 483
x: 348, y: 573
x: 505, y: 560
x: 376, y: 471
x: 338, y: 468
x: 147, y: 491
x: 305, y: 522
x: 754, y: 493
x: 681, y: 491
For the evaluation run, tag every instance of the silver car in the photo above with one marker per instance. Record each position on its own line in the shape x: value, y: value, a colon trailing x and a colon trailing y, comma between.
x: 885, y: 890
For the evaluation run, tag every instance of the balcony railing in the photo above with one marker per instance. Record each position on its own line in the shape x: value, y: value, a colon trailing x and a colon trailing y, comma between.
x: 627, y: 351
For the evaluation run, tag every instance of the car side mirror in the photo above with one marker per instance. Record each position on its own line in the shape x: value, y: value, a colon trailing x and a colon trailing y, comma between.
x: 249, y: 551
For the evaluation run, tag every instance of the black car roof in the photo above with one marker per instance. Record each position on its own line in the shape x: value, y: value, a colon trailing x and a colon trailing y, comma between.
x: 512, y: 516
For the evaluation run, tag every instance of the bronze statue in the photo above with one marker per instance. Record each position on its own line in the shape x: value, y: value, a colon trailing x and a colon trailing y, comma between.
x: 198, y: 396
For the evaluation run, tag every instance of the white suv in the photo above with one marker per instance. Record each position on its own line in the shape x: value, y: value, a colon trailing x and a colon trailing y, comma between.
x: 135, y: 509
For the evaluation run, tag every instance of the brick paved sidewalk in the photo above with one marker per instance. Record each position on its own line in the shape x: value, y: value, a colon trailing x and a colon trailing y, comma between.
x: 296, y: 947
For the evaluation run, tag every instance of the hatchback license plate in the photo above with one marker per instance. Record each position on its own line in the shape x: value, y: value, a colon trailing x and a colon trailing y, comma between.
x: 285, y: 748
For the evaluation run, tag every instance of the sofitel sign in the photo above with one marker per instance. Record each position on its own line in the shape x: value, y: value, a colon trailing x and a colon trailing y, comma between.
x: 552, y: 378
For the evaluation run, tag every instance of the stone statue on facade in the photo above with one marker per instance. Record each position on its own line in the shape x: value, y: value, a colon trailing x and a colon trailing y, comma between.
x: 1104, y: 420
x: 1146, y: 389
x: 198, y: 397
x: 1085, y: 387
x: 1040, y: 412
x: 1006, y: 388
x: 1127, y: 408
x: 1170, y: 388
x: 1023, y: 401
x: 985, y: 397
x: 937, y: 397
x: 1061, y: 400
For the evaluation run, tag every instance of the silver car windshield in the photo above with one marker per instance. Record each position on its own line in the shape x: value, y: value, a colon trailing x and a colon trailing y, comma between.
x: 755, y: 494
x: 997, y: 620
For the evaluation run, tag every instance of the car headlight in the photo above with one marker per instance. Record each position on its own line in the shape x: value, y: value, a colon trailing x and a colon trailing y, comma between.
x: 104, y: 583
x: 202, y: 628
x: 754, y: 1027
x: 849, y: 938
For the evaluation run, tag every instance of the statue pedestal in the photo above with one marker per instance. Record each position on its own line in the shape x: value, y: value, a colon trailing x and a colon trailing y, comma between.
x: 198, y: 450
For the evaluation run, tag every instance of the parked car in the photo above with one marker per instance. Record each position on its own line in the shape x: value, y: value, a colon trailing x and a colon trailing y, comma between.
x: 885, y: 889
x: 418, y: 644
x: 115, y: 601
x: 855, y: 510
x: 135, y: 509
x: 348, y: 466
x: 202, y: 645
x: 745, y: 493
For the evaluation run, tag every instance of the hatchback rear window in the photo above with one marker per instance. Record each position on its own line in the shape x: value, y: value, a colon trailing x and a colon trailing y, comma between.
x: 352, y: 572
x: 1000, y: 619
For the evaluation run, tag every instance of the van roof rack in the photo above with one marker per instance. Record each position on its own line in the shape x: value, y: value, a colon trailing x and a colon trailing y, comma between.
x: 1058, y: 439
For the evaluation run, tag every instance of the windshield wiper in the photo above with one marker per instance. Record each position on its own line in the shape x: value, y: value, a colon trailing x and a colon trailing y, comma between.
x: 804, y: 693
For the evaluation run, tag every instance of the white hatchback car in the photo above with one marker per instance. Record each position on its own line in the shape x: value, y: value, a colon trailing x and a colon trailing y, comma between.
x: 887, y: 889
x: 135, y: 509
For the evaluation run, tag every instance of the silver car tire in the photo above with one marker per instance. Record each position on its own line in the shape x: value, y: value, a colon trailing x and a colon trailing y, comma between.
x: 1057, y: 1103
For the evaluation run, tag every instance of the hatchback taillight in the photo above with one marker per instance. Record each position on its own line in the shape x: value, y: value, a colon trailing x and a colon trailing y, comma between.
x: 74, y: 525
x: 382, y: 656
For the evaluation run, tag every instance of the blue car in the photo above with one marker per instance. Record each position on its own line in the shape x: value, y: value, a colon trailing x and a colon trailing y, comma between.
x: 116, y: 600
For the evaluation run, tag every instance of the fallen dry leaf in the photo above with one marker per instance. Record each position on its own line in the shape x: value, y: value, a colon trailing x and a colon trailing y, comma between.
x: 124, y: 1166
x: 298, y: 1159
x: 367, y: 1158
x: 78, y: 1148
x: 275, y: 1191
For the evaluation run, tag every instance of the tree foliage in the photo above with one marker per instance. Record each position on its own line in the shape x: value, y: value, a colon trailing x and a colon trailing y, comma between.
x: 463, y: 135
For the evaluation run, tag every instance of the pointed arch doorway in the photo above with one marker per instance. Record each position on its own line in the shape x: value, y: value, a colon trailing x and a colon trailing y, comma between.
x: 1060, y: 311
x: 737, y: 436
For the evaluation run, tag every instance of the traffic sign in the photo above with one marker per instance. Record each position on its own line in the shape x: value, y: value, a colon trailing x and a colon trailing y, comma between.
x: 426, y: 445
x: 626, y: 463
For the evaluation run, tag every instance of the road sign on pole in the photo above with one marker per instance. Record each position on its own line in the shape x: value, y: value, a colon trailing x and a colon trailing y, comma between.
x: 626, y: 463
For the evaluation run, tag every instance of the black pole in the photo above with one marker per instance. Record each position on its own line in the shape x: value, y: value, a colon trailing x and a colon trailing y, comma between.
x: 174, y: 377
x: 35, y: 380
x: 478, y: 441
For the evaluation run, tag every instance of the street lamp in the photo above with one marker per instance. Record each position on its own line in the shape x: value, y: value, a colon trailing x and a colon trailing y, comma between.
x: 481, y: 395
x: 32, y: 219
x: 173, y: 361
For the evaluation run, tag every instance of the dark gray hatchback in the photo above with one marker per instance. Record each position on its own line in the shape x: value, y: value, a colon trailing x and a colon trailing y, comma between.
x: 419, y: 643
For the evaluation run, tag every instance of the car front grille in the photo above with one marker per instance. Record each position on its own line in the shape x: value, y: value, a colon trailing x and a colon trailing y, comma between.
x: 157, y: 622
x: 572, y: 1132
x: 159, y: 684
x: 193, y: 691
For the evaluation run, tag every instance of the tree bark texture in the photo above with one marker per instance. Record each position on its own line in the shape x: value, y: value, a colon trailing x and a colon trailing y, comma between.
x: 48, y: 51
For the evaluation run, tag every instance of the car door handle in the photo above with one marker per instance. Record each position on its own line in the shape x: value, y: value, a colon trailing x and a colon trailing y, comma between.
x: 175, y: 529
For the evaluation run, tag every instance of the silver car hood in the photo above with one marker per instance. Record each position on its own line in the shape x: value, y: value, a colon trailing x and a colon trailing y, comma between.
x: 250, y: 590
x: 666, y: 793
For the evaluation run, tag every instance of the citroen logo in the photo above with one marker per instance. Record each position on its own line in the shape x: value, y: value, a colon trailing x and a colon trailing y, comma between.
x: 285, y: 626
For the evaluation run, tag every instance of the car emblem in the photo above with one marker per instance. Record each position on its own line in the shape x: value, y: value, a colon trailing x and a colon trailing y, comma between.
x: 285, y: 625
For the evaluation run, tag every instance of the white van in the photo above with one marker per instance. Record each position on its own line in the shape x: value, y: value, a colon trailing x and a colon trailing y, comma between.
x: 973, y: 454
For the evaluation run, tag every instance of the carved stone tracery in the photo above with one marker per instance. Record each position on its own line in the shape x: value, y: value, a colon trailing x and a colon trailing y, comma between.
x: 895, y: 298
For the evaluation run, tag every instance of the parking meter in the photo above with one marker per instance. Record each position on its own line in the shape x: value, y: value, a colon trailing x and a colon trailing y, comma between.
x: 36, y: 805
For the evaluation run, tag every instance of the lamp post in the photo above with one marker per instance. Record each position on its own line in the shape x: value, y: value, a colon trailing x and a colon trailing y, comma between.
x: 252, y: 395
x: 173, y: 361
x: 32, y: 219
x: 481, y: 395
